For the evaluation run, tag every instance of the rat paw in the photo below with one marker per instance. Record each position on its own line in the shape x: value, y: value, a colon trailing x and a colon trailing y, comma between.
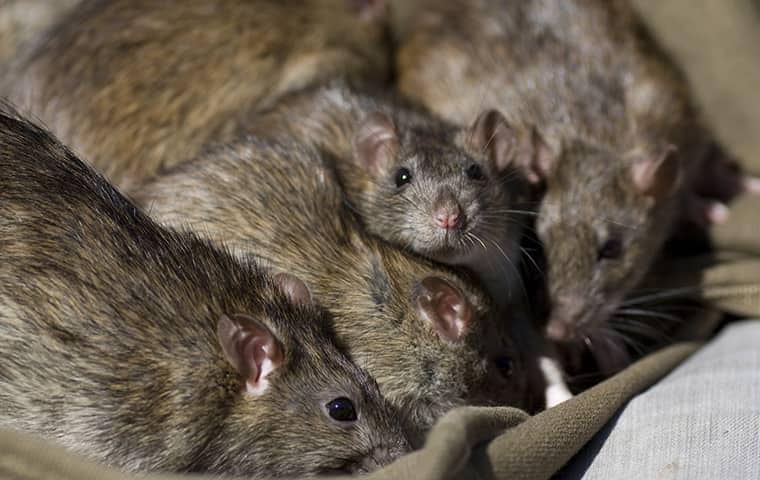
x: 722, y: 178
x: 705, y: 212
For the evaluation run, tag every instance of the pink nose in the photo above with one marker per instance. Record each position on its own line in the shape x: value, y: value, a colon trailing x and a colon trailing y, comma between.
x: 558, y: 331
x: 447, y: 218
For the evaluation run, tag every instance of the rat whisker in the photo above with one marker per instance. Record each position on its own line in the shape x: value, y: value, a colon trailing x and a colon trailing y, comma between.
x: 662, y: 295
x: 512, y: 264
x: 472, y: 235
x: 649, y: 314
x: 641, y: 328
x: 532, y: 260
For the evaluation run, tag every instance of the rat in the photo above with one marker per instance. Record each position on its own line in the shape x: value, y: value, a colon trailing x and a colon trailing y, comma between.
x: 422, y: 331
x: 150, y: 349
x: 608, y: 132
x: 420, y: 183
x: 136, y: 86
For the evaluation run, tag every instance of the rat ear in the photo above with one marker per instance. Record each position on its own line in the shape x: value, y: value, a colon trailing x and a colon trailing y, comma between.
x: 294, y: 288
x: 507, y: 145
x: 444, y: 307
x: 657, y: 175
x: 251, y: 348
x: 495, y: 137
x: 541, y: 160
x: 376, y: 142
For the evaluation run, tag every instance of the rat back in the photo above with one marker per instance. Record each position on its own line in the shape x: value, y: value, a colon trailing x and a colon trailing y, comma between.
x: 135, y: 88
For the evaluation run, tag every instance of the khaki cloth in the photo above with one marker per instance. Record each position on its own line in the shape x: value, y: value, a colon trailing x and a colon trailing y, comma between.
x: 716, y: 43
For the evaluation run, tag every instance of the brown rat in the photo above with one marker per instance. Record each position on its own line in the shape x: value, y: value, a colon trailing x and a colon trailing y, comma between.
x: 423, y: 333
x: 149, y: 349
x: 451, y: 194
x: 137, y: 85
x: 607, y: 125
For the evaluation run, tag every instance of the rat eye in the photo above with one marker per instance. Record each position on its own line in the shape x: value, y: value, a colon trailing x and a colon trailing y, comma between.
x: 341, y: 410
x: 474, y: 172
x: 403, y: 176
x: 505, y: 365
x: 611, y: 249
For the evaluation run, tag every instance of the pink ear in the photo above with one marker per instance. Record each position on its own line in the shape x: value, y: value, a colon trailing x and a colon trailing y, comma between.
x: 444, y: 307
x: 294, y: 288
x: 494, y: 136
x: 507, y: 145
x: 658, y: 176
x: 251, y: 349
x: 375, y: 143
x: 542, y: 159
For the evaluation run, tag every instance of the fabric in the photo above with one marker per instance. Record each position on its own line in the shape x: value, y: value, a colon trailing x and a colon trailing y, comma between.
x: 711, y: 43
x: 701, y: 421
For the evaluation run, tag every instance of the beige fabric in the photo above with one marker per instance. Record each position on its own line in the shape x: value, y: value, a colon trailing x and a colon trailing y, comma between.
x: 716, y: 42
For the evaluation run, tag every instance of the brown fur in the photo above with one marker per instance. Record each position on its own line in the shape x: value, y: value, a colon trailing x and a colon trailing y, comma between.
x: 138, y: 85
x: 22, y: 21
x: 108, y: 326
x: 281, y: 201
x: 600, y: 96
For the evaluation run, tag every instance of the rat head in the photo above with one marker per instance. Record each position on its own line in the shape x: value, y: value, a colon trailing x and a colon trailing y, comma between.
x: 436, y: 190
x: 602, y: 222
x: 303, y: 406
x: 440, y: 349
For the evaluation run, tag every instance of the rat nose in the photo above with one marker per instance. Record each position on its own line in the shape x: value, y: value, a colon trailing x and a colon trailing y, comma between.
x: 558, y: 330
x: 447, y: 217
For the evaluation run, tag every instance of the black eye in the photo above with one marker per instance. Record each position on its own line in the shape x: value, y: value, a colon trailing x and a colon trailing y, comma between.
x: 474, y: 172
x: 505, y: 365
x: 611, y: 249
x: 341, y: 410
x: 403, y: 176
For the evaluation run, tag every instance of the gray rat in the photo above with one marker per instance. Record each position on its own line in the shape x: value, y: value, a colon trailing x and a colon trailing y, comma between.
x: 423, y: 333
x: 137, y: 85
x: 149, y: 349
x: 606, y: 125
x: 451, y: 194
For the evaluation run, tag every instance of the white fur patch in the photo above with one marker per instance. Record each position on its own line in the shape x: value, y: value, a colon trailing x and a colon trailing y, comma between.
x: 556, y: 388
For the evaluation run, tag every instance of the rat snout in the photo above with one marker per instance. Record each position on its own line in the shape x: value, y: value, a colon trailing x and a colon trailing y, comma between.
x: 447, y: 218
x: 566, y: 320
x: 447, y: 213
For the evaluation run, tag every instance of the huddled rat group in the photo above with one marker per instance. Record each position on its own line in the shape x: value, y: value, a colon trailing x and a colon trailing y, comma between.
x: 283, y: 238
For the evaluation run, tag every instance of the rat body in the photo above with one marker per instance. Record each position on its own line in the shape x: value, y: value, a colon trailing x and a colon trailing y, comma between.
x: 149, y: 349
x: 137, y: 86
x: 415, y: 181
x: 417, y: 328
x: 607, y: 128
